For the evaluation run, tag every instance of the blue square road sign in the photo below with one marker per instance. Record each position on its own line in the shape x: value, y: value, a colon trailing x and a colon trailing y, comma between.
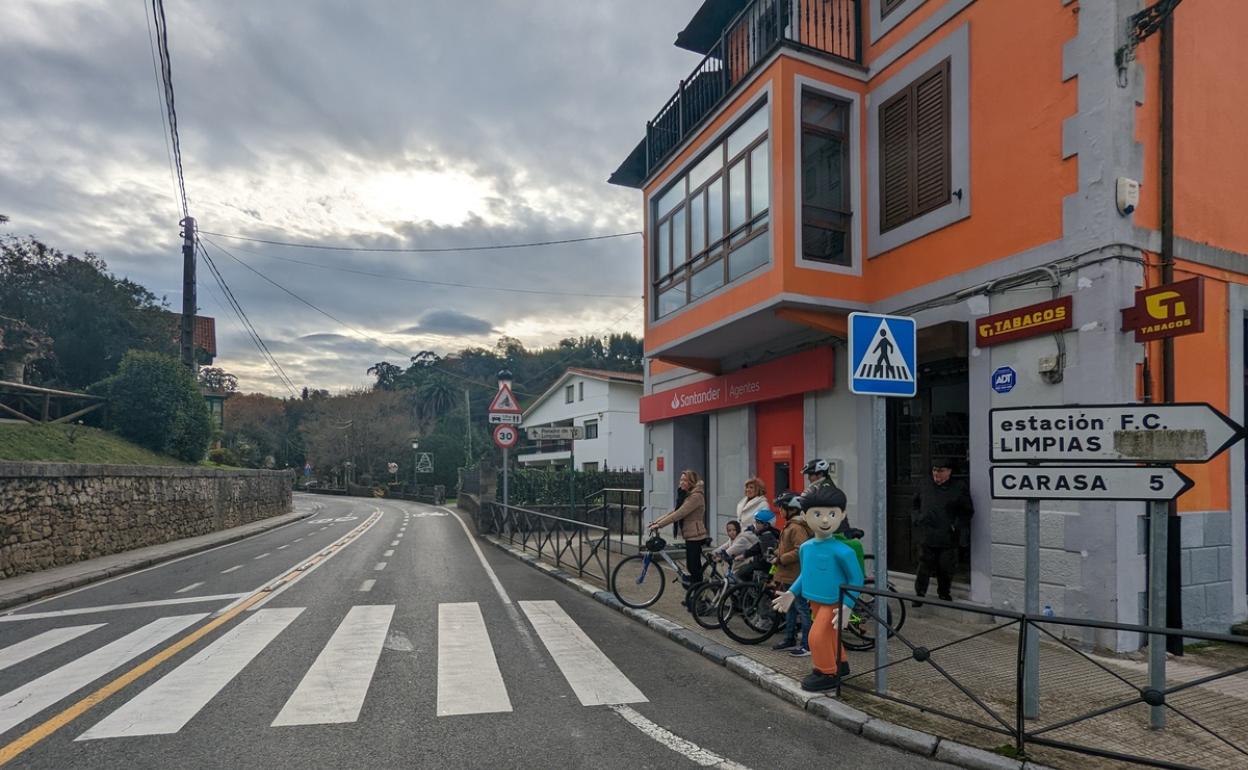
x: 882, y: 355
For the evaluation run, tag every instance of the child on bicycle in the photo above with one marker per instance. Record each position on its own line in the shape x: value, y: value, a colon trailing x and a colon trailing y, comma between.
x: 754, y: 558
x: 733, y: 528
x: 796, y: 532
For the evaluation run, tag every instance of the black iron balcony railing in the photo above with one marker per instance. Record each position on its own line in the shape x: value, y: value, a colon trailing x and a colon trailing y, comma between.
x: 829, y: 27
x: 544, y: 447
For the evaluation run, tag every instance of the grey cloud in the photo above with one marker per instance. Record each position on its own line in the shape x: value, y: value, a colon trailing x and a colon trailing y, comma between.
x: 450, y: 323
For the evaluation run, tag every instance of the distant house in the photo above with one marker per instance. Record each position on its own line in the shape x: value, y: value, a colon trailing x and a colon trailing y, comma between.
x: 204, y: 337
x: 604, y: 404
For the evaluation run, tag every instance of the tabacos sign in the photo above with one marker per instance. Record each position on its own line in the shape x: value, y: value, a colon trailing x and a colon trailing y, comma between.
x: 1033, y: 320
x: 803, y: 372
x: 1170, y: 310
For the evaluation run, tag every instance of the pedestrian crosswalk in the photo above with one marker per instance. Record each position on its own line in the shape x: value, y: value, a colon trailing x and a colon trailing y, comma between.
x: 334, y: 681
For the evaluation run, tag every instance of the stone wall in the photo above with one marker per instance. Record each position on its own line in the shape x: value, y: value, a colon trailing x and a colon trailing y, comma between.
x: 58, y: 513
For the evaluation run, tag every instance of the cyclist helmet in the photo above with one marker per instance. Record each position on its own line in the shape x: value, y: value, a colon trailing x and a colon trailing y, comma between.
x: 655, y: 544
x: 765, y: 516
x: 816, y: 466
x: 789, y: 501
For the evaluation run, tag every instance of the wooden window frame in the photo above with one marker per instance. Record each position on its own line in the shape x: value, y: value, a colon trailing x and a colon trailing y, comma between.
x: 715, y: 252
x: 910, y: 95
x: 844, y: 138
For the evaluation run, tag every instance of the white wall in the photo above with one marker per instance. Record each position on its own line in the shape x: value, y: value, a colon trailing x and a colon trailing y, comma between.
x: 614, y: 405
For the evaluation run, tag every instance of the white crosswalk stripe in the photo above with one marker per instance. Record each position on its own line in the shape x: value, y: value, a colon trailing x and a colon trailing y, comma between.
x: 168, y: 705
x: 334, y: 688
x: 41, y: 643
x: 591, y: 674
x: 337, y: 682
x: 19, y: 705
x: 469, y: 681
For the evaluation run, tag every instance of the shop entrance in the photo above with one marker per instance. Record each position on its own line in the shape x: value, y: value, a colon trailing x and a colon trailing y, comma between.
x: 935, y: 423
x: 779, y: 431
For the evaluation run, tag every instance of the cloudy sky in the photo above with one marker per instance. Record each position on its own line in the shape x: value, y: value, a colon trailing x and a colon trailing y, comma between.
x: 391, y: 123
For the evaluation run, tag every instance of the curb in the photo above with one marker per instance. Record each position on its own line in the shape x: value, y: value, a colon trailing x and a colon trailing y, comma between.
x: 826, y: 707
x: 8, y: 601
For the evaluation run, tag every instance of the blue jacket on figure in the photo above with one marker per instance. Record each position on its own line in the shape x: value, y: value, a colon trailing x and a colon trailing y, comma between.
x: 826, y: 565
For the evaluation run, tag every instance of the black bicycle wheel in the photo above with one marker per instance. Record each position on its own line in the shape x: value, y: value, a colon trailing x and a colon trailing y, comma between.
x: 746, y: 616
x: 638, y: 581
x: 703, y: 603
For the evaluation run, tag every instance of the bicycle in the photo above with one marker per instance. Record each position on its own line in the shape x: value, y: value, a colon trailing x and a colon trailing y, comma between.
x: 639, y: 580
x: 744, y: 611
x: 860, y: 630
x: 704, y: 597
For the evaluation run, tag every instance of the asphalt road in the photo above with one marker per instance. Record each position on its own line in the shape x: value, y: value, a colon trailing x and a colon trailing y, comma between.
x: 393, y: 646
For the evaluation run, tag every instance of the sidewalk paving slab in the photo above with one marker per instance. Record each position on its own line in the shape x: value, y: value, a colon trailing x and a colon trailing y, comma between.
x: 30, y: 586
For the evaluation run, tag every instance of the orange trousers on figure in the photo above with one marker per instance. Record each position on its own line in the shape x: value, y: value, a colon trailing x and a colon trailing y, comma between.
x: 825, y: 638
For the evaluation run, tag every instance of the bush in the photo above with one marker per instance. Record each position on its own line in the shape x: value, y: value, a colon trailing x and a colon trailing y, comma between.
x: 155, y: 402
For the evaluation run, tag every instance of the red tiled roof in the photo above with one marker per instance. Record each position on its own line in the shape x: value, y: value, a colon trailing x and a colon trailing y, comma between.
x: 205, y: 334
x: 606, y: 374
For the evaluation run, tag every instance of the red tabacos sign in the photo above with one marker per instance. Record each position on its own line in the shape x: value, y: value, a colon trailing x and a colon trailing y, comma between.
x: 1033, y: 320
x: 803, y: 372
x: 1169, y: 310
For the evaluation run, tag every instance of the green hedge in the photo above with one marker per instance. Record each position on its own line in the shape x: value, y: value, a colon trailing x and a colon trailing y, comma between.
x: 550, y: 486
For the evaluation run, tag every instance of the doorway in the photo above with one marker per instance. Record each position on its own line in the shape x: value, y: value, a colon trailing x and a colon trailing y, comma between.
x: 935, y: 423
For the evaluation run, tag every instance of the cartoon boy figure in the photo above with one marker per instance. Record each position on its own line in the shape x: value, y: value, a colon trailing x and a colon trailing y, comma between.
x: 826, y: 565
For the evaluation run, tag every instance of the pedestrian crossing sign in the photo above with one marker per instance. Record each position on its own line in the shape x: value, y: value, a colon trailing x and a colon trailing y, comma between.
x: 882, y: 355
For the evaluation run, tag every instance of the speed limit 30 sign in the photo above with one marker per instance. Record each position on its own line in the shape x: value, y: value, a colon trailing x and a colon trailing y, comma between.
x: 506, y: 436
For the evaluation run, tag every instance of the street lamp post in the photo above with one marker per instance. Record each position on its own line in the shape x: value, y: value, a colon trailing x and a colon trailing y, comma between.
x: 415, y: 446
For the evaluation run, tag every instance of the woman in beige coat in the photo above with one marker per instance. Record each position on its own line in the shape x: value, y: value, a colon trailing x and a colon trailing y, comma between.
x: 692, y: 517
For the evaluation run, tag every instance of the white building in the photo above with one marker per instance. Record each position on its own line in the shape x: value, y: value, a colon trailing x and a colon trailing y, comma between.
x: 605, y: 404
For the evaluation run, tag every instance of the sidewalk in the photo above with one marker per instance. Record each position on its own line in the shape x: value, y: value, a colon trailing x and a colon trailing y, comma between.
x: 982, y: 658
x: 29, y: 586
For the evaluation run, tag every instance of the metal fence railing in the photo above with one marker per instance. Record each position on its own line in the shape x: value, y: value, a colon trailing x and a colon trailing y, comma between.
x: 576, y: 544
x: 1089, y: 701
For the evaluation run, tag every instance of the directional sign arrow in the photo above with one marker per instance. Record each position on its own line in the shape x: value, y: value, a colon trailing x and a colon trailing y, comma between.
x: 1086, y: 482
x: 1159, y: 434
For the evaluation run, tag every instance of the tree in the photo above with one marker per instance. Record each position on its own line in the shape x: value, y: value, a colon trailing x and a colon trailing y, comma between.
x: 92, y: 316
x: 218, y: 380
x: 256, y: 430
x: 387, y: 375
x: 437, y: 397
x: 155, y: 402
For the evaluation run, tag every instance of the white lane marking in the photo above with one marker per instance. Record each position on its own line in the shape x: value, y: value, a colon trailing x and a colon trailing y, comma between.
x: 296, y: 540
x: 367, y: 585
x: 388, y: 553
x: 688, y: 749
x: 333, y: 690
x: 399, y: 536
x: 31, y: 698
x: 593, y: 677
x: 314, y: 562
x: 283, y: 547
x: 396, y: 542
x: 191, y: 587
x: 115, y: 607
x: 261, y: 556
x: 41, y: 643
x: 166, y: 706
x: 231, y: 569
x: 469, y: 681
x: 488, y: 569
x: 380, y: 566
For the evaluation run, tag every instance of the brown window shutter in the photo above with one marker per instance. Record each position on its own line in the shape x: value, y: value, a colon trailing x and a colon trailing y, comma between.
x: 896, y: 141
x: 931, y: 120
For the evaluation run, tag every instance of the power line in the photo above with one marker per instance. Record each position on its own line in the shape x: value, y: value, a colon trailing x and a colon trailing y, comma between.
x: 256, y: 339
x: 166, y: 72
x: 393, y: 277
x: 425, y: 250
x: 160, y: 99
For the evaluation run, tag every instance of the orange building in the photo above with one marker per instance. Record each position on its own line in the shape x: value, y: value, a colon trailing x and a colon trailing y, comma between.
x: 947, y: 160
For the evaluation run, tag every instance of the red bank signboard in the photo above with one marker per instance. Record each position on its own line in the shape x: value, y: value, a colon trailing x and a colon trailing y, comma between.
x: 1033, y: 320
x: 803, y: 372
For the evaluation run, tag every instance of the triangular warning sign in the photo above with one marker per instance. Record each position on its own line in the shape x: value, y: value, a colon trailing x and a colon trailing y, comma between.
x: 505, y: 401
x: 882, y: 359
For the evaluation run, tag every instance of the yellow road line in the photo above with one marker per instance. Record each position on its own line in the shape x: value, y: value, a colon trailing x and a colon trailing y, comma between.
x: 15, y: 748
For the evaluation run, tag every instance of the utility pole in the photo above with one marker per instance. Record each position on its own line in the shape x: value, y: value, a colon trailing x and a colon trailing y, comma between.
x: 468, y: 426
x: 188, y: 293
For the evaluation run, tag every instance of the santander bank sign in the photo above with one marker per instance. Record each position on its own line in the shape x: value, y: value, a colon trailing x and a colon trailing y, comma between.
x: 803, y: 372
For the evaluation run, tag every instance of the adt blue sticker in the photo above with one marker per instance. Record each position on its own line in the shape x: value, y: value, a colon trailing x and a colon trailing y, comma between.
x: 1004, y: 379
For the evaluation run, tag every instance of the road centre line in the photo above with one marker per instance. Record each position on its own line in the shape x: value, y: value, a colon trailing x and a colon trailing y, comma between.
x: 114, y: 607
x: 380, y: 566
x: 283, y: 547
x: 231, y: 569
x: 261, y: 556
x: 45, y: 729
x: 367, y: 585
x: 191, y: 587
x: 394, y: 542
x: 388, y: 553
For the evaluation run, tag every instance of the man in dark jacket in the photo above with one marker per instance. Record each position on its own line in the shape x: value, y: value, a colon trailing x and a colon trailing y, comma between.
x: 941, y: 514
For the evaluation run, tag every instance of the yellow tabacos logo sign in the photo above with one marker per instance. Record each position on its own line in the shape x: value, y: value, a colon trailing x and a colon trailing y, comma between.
x: 1043, y: 318
x: 1166, y: 311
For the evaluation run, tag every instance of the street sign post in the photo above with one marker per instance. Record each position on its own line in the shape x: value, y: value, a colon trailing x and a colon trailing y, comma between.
x: 1087, y: 482
x: 1111, y: 433
x: 883, y: 362
x: 556, y: 433
x: 424, y: 462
